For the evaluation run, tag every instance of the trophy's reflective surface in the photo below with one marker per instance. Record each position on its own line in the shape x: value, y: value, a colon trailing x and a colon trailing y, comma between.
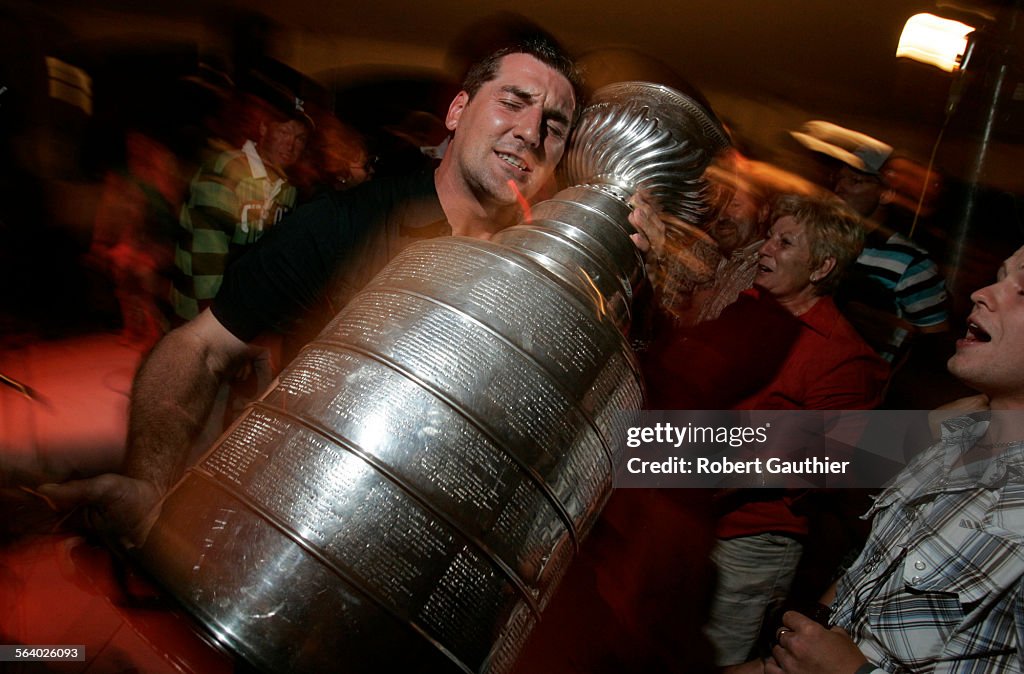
x: 410, y: 492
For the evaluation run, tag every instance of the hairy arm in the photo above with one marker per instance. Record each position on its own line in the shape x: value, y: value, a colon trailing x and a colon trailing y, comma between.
x: 172, y: 396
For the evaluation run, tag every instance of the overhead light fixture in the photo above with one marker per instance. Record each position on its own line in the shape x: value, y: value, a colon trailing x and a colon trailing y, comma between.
x: 931, y: 39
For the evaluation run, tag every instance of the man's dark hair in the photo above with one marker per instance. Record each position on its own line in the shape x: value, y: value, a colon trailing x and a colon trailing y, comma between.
x: 542, y: 47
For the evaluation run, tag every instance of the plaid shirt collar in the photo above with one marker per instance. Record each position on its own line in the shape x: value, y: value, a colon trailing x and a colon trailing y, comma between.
x: 924, y: 479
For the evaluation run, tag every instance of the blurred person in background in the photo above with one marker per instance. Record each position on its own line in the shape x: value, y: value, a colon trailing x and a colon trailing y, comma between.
x: 234, y: 198
x: 895, y: 290
x: 134, y: 235
x: 338, y: 159
x: 828, y: 366
x: 740, y: 227
x: 700, y: 356
x: 782, y: 345
x: 739, y: 232
x: 689, y: 263
x: 237, y: 195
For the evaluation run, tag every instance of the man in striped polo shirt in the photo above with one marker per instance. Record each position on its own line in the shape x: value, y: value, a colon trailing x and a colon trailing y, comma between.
x: 894, y: 290
x: 894, y: 283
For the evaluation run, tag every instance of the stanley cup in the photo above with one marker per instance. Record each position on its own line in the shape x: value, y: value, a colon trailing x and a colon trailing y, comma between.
x: 409, y: 493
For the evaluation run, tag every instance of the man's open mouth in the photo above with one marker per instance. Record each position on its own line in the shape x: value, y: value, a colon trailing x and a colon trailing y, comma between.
x: 976, y: 333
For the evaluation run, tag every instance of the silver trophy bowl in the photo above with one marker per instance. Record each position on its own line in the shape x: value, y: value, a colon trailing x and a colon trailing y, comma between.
x: 409, y: 493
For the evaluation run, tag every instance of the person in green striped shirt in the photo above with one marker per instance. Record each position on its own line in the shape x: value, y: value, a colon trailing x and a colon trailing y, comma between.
x: 234, y: 198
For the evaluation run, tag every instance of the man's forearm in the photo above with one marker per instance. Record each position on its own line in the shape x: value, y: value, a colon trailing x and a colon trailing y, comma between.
x: 171, y: 400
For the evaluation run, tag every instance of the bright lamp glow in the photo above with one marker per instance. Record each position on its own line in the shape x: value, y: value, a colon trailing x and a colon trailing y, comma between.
x: 934, y: 40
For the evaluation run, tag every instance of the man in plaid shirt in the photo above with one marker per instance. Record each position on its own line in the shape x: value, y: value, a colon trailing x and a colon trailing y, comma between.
x: 939, y: 586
